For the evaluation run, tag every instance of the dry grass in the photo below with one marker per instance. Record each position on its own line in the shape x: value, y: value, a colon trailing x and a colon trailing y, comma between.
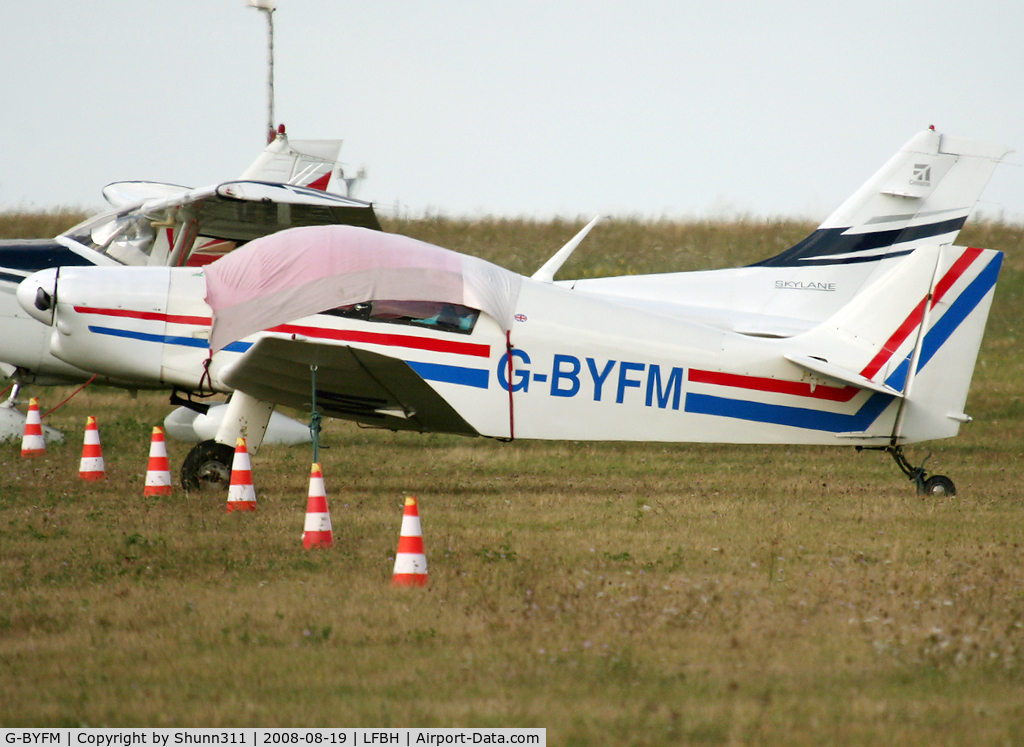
x: 23, y: 224
x: 615, y: 247
x: 612, y: 593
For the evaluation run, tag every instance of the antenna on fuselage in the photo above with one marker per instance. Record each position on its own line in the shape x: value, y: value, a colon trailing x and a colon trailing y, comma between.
x: 546, y: 274
x: 267, y: 6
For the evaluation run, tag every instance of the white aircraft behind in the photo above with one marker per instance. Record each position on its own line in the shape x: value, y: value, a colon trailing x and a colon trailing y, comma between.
x: 865, y: 334
x: 291, y: 183
x: 165, y: 224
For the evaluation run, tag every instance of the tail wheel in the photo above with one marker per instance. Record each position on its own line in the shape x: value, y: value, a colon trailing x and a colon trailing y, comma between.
x: 207, y: 467
x: 935, y: 485
x: 939, y: 486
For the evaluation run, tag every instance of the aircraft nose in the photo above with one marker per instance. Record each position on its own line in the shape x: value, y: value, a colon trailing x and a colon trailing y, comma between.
x: 37, y: 295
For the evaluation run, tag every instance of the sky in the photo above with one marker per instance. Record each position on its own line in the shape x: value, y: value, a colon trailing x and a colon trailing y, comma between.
x: 644, y: 108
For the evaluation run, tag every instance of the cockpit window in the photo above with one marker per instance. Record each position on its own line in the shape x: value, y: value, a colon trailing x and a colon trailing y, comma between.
x: 126, y: 237
x: 446, y: 317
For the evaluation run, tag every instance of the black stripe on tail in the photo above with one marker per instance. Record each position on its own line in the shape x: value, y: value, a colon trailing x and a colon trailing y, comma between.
x: 821, y: 246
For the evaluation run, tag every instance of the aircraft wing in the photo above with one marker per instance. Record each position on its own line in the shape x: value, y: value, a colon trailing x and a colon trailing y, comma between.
x: 246, y: 210
x: 126, y: 194
x: 352, y: 383
x: 242, y: 211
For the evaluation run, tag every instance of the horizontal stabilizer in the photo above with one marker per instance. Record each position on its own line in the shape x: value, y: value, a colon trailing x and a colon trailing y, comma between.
x: 823, y: 367
x: 874, y: 333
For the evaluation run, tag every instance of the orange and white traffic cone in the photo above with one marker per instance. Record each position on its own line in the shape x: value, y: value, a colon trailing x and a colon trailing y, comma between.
x: 158, y: 475
x: 410, y: 560
x: 317, y: 531
x: 91, y: 467
x: 241, y: 492
x: 32, y: 443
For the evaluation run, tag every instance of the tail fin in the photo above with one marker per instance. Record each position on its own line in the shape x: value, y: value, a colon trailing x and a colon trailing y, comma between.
x: 936, y: 390
x: 923, y: 195
x: 913, y: 335
x: 303, y: 163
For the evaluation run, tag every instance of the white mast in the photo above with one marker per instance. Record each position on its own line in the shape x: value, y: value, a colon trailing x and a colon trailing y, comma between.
x: 267, y: 6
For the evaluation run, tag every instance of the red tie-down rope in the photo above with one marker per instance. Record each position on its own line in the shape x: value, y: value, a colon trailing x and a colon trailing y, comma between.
x: 68, y: 398
x: 511, y: 408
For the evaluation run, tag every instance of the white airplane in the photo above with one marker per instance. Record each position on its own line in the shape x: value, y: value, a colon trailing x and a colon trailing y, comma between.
x: 152, y: 223
x: 165, y: 224
x: 865, y: 334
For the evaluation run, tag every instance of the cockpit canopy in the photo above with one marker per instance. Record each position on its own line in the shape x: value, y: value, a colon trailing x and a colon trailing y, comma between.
x: 444, y: 317
x: 126, y: 236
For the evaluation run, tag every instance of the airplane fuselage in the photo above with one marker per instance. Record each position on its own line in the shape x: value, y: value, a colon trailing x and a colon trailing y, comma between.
x: 25, y: 345
x: 572, y: 366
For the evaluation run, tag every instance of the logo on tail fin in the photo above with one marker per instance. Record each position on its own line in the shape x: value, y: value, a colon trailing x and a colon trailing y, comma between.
x: 922, y: 175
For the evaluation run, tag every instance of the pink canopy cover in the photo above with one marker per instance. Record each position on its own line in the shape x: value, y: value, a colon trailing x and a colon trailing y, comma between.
x: 291, y: 274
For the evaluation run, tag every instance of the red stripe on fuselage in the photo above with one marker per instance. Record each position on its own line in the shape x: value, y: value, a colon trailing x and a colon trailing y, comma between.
x: 381, y: 338
x: 778, y: 386
x: 345, y: 335
x: 151, y: 316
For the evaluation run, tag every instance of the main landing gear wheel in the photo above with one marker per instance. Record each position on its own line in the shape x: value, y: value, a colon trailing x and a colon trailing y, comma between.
x: 208, y: 467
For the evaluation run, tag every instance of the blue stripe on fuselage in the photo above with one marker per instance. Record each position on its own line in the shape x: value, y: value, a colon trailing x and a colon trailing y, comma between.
x: 189, y: 342
x: 796, y: 417
x: 475, y: 377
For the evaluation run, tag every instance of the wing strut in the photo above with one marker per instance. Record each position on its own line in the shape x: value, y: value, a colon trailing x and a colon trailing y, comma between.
x: 314, y: 417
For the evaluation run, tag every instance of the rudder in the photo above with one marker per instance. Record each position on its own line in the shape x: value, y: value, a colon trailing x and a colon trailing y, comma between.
x: 914, y: 335
x: 936, y: 393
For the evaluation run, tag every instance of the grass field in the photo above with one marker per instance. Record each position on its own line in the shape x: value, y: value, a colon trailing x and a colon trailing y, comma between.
x: 612, y: 593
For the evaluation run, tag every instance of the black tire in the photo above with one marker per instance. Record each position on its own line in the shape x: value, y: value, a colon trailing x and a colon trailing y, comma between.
x: 939, y: 486
x: 207, y: 467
